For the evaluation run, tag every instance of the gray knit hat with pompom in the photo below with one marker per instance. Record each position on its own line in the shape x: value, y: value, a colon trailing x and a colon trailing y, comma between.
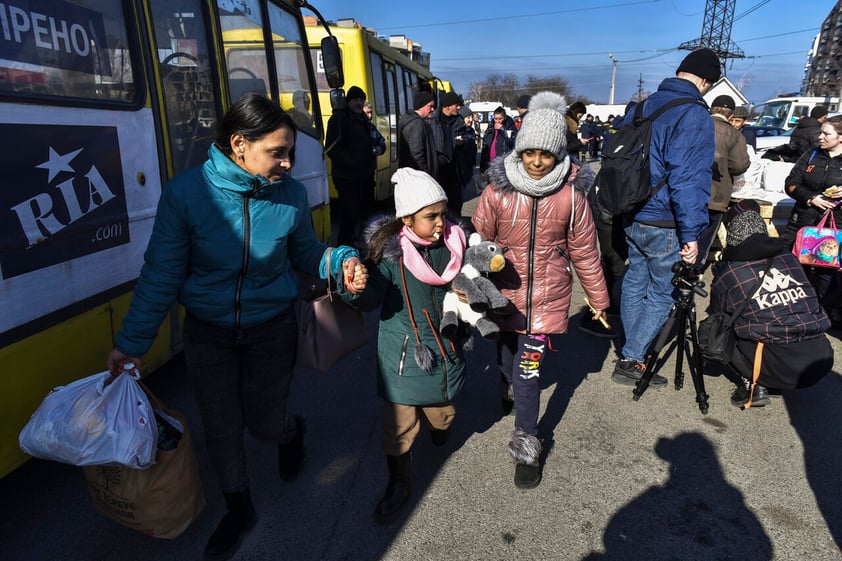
x: 743, y: 226
x: 543, y: 127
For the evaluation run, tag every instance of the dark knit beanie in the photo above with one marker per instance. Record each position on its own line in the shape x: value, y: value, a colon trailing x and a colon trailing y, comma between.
x: 450, y: 98
x: 743, y: 226
x: 818, y: 112
x: 523, y: 102
x: 739, y: 208
x: 703, y: 63
x: 465, y: 112
x: 355, y: 93
x: 725, y: 101
x: 421, y: 99
x: 577, y: 107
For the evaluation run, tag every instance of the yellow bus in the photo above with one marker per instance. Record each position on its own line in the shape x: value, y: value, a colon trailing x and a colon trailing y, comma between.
x: 102, y: 101
x: 389, y: 78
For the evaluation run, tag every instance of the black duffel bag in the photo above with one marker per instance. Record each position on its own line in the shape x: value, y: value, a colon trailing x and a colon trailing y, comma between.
x: 717, y: 338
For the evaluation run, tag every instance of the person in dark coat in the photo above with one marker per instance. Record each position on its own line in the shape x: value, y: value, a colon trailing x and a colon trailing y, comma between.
x: 784, y: 314
x: 813, y: 173
x: 349, y: 147
x: 499, y: 138
x: 444, y: 123
x: 465, y: 149
x: 574, y: 113
x: 416, y: 149
x: 806, y: 134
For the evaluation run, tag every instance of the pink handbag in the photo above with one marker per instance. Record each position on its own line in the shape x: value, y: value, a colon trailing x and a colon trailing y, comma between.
x: 819, y: 245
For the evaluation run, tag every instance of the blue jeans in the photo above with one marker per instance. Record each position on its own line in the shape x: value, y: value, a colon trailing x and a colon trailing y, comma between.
x: 647, y: 288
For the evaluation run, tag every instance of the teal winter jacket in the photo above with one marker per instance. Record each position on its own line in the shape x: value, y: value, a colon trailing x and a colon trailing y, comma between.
x: 225, y: 244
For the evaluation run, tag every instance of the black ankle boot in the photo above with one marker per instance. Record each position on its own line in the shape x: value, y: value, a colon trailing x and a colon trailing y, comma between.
x: 239, y: 519
x: 398, y: 490
x: 291, y: 454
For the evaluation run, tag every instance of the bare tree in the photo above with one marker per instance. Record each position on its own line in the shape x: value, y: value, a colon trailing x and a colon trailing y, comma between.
x: 507, y: 88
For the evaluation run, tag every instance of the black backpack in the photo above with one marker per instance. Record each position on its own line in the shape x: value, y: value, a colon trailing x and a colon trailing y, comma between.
x: 623, y: 182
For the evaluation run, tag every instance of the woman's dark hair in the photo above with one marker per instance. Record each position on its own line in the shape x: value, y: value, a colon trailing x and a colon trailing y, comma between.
x: 253, y: 116
x: 377, y: 242
x: 836, y: 122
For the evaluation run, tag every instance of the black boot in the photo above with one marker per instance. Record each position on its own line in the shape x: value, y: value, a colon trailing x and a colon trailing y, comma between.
x: 397, y: 491
x: 239, y: 519
x: 526, y: 451
x: 291, y: 454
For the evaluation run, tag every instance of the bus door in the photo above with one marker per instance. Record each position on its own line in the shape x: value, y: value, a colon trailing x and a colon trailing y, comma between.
x: 81, y: 184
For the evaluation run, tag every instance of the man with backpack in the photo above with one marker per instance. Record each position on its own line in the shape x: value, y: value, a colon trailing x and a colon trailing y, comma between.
x: 663, y: 226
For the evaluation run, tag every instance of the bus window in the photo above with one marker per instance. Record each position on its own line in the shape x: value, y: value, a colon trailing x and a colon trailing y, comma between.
x: 184, y: 65
x: 391, y: 86
x: 245, y: 49
x: 402, y: 104
x: 66, y: 58
x: 293, y: 81
x: 379, y: 93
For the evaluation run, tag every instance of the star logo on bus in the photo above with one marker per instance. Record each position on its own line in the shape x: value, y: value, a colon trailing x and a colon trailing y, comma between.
x: 58, y: 163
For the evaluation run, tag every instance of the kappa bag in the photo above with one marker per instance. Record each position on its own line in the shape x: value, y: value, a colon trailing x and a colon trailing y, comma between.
x: 623, y: 183
x: 818, y: 245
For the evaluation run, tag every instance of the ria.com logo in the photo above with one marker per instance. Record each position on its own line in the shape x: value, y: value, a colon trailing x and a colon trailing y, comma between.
x: 64, y: 198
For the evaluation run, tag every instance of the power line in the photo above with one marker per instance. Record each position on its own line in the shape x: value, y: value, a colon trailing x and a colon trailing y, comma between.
x: 516, y: 16
x: 658, y: 52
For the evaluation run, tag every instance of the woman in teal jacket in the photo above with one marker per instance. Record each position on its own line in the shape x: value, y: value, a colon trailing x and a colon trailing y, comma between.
x: 413, y: 258
x: 227, y: 240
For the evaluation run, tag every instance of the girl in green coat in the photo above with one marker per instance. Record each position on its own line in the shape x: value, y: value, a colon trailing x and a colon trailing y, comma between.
x: 413, y: 258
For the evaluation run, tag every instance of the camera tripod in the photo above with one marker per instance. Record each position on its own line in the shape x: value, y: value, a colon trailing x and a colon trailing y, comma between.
x: 683, y: 312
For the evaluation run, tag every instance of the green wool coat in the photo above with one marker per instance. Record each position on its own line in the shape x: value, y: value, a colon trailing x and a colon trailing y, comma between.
x: 400, y: 379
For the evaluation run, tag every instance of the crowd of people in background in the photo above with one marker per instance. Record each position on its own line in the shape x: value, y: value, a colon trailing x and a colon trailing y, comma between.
x: 537, y: 202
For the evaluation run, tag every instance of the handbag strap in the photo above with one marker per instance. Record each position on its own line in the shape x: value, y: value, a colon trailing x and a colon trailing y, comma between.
x: 827, y: 214
x: 755, y: 373
x: 733, y: 317
x: 329, y: 274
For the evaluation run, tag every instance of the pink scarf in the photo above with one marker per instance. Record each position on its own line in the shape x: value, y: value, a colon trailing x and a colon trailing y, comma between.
x: 454, y: 240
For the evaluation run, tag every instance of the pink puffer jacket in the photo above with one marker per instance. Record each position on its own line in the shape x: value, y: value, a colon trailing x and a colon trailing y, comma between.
x: 541, y: 246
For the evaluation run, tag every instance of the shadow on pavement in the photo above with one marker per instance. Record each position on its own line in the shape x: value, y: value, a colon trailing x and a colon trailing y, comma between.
x: 696, y: 514
x: 815, y: 415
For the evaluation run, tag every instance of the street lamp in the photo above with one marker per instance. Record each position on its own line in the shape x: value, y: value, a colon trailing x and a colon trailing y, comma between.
x: 613, y: 78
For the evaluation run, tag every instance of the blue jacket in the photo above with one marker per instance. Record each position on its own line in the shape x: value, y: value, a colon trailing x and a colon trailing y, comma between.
x: 682, y: 146
x: 226, y: 244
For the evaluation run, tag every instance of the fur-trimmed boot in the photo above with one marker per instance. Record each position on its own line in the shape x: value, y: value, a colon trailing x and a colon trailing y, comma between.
x: 526, y: 451
x: 239, y: 519
x: 398, y: 489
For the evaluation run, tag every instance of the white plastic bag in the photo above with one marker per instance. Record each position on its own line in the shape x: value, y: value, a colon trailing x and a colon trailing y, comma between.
x: 90, y: 423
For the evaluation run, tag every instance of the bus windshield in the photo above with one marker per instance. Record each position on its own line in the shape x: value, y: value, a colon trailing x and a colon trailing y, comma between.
x: 65, y: 58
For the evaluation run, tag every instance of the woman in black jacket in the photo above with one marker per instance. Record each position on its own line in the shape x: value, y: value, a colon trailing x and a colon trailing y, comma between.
x: 814, y: 173
x: 783, y: 313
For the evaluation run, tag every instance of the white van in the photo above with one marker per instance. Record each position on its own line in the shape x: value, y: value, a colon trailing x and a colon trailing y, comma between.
x: 784, y: 112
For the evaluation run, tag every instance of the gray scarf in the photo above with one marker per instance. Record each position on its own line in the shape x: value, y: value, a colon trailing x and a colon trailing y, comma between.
x: 521, y: 181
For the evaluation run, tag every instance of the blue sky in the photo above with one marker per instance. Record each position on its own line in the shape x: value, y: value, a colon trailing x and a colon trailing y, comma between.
x: 469, y: 39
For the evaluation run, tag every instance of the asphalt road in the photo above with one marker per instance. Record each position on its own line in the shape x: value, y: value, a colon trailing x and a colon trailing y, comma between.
x: 653, y: 479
